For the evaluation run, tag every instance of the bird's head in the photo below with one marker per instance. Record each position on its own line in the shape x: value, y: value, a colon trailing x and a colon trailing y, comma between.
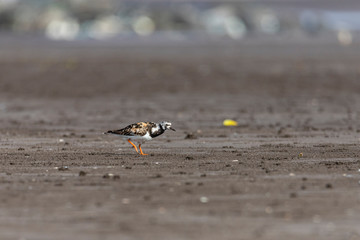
x: 166, y: 125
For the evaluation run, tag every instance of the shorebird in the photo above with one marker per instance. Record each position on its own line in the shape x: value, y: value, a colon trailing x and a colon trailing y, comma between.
x: 141, y: 131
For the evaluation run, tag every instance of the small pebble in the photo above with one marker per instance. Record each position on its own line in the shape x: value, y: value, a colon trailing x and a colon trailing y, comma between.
x: 293, y: 195
x: 328, y: 185
x: 204, y: 199
x: 157, y: 176
x: 190, y: 136
x: 162, y: 210
x: 111, y: 175
x: 268, y: 210
x: 108, y: 175
x: 147, y: 198
x: 63, y: 168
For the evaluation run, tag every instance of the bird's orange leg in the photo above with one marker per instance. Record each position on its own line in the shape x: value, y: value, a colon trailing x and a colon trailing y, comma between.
x: 133, y: 145
x: 141, y: 152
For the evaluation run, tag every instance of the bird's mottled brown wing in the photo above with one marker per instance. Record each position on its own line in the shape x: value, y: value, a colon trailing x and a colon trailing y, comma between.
x: 134, y: 129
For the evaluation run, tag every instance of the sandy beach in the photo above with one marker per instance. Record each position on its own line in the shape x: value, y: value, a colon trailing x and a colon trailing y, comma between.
x: 289, y: 170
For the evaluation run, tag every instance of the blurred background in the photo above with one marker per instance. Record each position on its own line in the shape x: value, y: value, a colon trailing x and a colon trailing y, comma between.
x: 116, y: 20
x: 178, y: 60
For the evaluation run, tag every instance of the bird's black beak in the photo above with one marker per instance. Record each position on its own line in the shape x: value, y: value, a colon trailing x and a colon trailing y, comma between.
x: 172, y: 129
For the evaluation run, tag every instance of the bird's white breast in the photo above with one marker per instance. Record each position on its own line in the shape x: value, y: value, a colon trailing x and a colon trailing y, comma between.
x: 147, y: 136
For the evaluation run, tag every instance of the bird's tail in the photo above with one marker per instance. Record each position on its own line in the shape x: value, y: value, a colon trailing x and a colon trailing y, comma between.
x: 108, y: 132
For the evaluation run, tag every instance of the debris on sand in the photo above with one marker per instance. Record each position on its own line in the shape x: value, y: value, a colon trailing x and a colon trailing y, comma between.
x: 229, y: 122
x: 82, y: 174
x: 147, y: 198
x: 108, y: 175
x: 328, y: 185
x: 157, y: 176
x: 204, y: 199
x: 111, y: 176
x: 293, y: 195
x: 191, y: 136
x: 63, y: 168
x: 269, y: 210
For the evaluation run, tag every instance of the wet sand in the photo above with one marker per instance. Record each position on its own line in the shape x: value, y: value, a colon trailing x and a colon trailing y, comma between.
x: 290, y: 170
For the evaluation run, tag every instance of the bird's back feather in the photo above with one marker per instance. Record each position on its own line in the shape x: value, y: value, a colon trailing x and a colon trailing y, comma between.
x: 136, y: 129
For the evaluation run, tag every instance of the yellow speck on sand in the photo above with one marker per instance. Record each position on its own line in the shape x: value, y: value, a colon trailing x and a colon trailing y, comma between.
x: 229, y: 122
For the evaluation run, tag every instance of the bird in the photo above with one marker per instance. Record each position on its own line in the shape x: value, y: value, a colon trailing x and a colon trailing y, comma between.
x: 142, y: 131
